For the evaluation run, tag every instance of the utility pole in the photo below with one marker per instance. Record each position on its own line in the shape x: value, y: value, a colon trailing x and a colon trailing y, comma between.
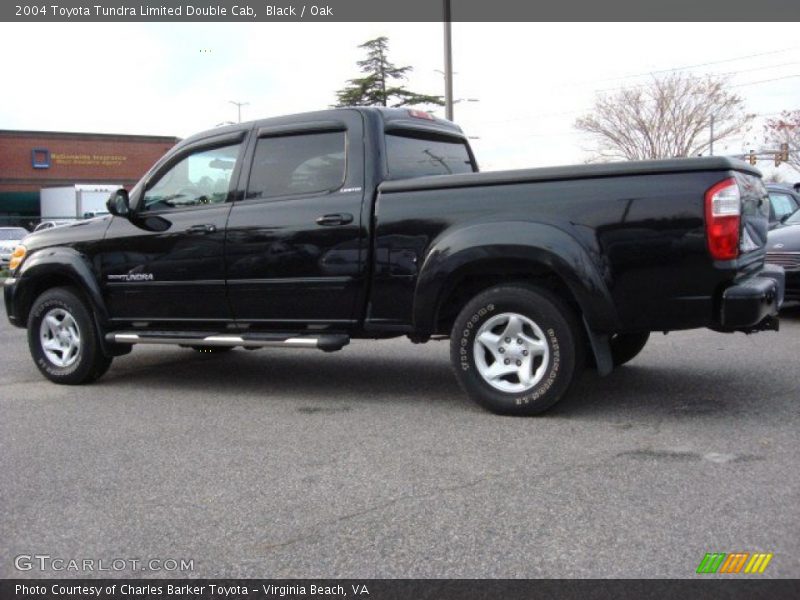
x: 448, y: 63
x: 239, y: 106
x: 711, y: 141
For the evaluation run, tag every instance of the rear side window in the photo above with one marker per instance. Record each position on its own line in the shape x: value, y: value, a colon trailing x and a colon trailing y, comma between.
x: 297, y: 164
x: 411, y: 156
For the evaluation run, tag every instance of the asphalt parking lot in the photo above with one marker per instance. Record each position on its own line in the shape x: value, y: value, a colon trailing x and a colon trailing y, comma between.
x: 371, y: 463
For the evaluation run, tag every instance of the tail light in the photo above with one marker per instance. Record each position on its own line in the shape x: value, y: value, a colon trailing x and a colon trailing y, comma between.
x: 723, y: 219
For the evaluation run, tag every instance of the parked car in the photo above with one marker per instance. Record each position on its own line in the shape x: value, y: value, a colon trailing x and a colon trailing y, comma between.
x: 10, y: 238
x: 50, y: 224
x: 783, y: 201
x: 783, y: 249
x: 309, y: 230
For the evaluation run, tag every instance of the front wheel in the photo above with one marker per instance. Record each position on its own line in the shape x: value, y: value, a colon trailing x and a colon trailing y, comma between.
x: 63, y: 339
x: 515, y: 349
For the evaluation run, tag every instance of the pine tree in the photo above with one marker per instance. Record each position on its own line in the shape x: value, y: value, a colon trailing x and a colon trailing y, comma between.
x: 378, y: 87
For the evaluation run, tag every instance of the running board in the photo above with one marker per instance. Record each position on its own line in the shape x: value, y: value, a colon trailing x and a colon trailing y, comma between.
x: 327, y: 342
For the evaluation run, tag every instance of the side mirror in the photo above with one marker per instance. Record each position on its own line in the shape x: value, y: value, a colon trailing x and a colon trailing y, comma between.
x: 118, y: 203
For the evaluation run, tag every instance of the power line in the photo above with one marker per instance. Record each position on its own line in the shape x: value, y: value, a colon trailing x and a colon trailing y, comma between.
x: 572, y: 112
x: 686, y: 67
x: 524, y: 135
x: 765, y: 80
x: 726, y: 74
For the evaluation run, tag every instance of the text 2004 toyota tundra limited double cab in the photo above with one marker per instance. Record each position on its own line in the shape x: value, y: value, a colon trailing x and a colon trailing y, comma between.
x: 309, y: 230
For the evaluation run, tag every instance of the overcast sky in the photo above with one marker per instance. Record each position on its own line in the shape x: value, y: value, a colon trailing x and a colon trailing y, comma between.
x: 531, y: 80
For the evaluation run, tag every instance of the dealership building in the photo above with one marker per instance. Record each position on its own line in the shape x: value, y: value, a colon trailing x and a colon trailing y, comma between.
x: 32, y: 160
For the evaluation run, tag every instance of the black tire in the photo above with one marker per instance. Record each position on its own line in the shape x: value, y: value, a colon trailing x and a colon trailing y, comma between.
x: 627, y: 346
x: 211, y: 349
x: 560, y: 340
x: 87, y: 362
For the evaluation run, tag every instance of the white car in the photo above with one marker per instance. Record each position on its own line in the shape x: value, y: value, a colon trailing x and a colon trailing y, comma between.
x: 10, y: 238
x: 50, y: 224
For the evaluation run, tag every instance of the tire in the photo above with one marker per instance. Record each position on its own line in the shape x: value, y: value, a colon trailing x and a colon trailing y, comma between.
x: 544, y: 351
x: 627, y: 346
x: 63, y: 339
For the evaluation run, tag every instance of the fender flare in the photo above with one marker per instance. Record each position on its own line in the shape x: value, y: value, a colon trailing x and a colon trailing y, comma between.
x: 539, y: 244
x: 62, y: 262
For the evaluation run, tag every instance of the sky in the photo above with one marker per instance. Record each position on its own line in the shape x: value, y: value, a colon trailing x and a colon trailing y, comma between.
x: 519, y: 86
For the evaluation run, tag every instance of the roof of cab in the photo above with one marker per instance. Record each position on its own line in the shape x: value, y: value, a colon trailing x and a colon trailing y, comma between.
x: 405, y: 118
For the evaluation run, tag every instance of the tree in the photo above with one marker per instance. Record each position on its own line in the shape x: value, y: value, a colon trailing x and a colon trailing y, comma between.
x: 376, y: 88
x: 670, y: 117
x: 785, y: 130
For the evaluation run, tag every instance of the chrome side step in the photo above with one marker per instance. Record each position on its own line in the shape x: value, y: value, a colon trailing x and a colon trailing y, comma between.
x: 328, y: 342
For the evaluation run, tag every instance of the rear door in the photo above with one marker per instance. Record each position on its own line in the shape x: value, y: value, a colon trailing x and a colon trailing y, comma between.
x: 295, y: 246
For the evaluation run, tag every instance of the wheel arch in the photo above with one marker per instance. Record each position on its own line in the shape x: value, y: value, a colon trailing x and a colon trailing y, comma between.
x: 57, y: 267
x: 467, y: 261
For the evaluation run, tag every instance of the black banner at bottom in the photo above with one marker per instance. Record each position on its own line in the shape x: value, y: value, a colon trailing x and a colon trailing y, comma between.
x: 391, y: 589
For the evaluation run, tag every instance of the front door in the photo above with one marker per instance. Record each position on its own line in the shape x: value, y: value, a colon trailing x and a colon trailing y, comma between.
x: 166, y: 263
x: 295, y: 250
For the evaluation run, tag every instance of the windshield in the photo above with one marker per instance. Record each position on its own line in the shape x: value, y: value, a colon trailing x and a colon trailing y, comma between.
x: 13, y: 233
x: 411, y: 156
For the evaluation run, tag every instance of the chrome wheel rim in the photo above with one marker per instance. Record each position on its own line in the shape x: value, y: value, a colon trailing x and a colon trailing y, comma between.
x: 60, y: 337
x: 511, y: 352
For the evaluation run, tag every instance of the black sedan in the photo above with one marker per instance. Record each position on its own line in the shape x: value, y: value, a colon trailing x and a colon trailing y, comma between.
x: 783, y: 248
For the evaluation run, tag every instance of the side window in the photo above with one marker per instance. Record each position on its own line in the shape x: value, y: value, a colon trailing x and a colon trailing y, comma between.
x: 297, y: 164
x: 199, y: 179
x: 782, y: 205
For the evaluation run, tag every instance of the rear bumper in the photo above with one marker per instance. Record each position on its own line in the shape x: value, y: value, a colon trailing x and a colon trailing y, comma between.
x: 753, y: 303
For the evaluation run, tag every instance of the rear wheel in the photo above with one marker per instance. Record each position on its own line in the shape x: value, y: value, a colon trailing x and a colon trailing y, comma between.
x: 63, y: 339
x: 627, y: 346
x: 515, y: 349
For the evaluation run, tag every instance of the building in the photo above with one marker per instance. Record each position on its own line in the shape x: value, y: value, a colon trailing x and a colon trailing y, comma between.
x: 32, y: 160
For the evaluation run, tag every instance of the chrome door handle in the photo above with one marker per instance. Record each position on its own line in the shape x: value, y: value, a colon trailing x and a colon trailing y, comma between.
x: 336, y: 219
x: 200, y: 229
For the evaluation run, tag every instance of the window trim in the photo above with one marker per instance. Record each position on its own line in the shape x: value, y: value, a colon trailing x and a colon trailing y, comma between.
x: 301, y: 129
x: 295, y: 130
x: 213, y: 143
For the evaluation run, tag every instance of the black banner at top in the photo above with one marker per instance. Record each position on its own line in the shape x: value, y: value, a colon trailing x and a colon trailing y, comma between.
x: 277, y: 11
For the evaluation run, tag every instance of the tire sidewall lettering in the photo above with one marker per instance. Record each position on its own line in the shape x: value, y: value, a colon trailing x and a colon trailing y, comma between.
x: 465, y: 361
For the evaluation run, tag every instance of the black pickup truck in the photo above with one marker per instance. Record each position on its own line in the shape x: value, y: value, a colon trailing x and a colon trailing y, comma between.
x: 309, y: 230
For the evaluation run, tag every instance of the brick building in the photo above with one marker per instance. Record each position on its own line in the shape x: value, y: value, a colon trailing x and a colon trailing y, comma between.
x: 32, y: 160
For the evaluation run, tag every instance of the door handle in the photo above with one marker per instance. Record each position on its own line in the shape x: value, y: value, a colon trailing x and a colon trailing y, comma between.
x: 200, y: 229
x: 337, y: 219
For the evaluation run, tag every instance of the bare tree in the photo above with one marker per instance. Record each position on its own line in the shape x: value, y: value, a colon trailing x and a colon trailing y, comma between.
x: 669, y: 117
x: 785, y: 130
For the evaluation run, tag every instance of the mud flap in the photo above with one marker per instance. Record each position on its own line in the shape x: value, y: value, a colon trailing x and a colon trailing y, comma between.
x: 601, y: 348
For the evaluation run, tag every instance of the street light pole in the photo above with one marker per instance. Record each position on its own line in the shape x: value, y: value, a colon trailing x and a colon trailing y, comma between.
x: 239, y: 106
x: 448, y: 63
